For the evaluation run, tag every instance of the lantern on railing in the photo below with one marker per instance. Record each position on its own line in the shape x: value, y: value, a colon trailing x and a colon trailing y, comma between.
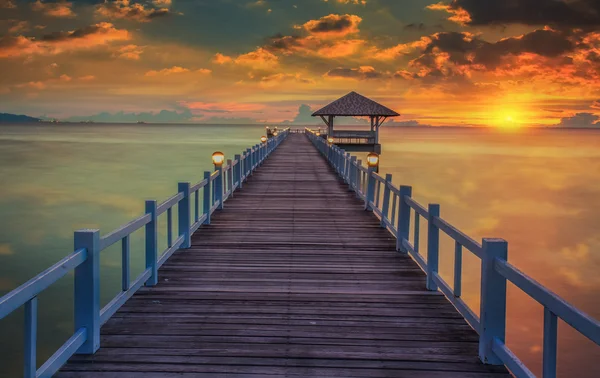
x: 318, y: 133
x: 330, y: 141
x: 263, y: 139
x: 275, y: 133
x: 218, y: 158
x: 373, y: 161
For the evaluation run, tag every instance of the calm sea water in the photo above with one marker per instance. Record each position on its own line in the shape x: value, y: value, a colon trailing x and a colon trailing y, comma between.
x: 538, y: 189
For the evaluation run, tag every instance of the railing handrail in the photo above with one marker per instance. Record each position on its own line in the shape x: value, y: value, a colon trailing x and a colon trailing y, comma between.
x: 496, y: 271
x: 217, y: 185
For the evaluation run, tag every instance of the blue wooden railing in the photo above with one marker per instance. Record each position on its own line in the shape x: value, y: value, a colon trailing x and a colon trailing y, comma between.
x: 217, y: 187
x: 394, y: 209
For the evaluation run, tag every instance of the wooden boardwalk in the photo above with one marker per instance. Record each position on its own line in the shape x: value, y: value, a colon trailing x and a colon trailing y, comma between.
x: 292, y: 279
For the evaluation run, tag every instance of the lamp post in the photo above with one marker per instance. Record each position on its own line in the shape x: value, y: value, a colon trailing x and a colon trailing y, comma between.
x: 373, y: 161
x: 218, y: 158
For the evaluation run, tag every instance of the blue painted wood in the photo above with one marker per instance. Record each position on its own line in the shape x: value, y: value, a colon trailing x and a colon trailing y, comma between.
x: 119, y: 300
x: 460, y: 305
x: 403, y: 218
x: 183, y: 211
x: 433, y: 246
x: 170, y: 227
x: 58, y: 359
x: 550, y: 344
x: 511, y: 361
x: 353, y: 173
x: 30, y: 337
x: 219, y: 187
x: 127, y: 229
x: 370, y: 190
x: 152, y: 243
x: 385, y: 207
x: 237, y: 171
x: 125, y: 263
x: 169, y: 251
x: 582, y: 322
x: 457, y: 269
x: 230, y: 177
x: 22, y: 294
x: 358, y: 178
x: 206, y: 198
x: 492, y: 311
x: 196, y: 206
x: 393, y: 218
x: 169, y: 203
x: 460, y: 237
x: 87, y: 290
x: 417, y: 231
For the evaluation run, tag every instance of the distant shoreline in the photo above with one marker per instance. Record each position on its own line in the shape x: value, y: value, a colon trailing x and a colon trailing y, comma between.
x: 154, y: 124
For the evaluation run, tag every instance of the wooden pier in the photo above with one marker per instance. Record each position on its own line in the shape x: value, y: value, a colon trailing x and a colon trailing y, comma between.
x: 290, y: 260
x: 292, y: 278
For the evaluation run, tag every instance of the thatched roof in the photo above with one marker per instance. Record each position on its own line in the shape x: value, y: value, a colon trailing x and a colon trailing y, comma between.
x: 354, y: 104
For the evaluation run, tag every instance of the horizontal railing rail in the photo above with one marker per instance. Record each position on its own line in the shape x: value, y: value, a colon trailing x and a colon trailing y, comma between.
x: 216, y: 186
x: 395, y: 209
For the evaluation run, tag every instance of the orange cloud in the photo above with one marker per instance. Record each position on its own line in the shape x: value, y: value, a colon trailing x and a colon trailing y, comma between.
x: 58, y: 9
x: 130, y: 52
x: 333, y: 25
x: 401, y: 49
x: 19, y: 27
x: 459, y: 15
x: 58, y: 42
x: 258, y: 59
x: 221, y: 59
x: 341, y: 48
x: 167, y: 71
x: 123, y: 9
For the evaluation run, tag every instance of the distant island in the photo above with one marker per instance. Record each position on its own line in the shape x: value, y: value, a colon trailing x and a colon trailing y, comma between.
x: 17, y: 118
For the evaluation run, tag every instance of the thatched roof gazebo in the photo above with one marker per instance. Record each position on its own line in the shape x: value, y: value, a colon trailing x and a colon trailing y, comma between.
x: 355, y: 105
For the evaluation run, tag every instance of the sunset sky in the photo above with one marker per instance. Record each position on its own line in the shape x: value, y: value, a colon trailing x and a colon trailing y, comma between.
x: 505, y: 63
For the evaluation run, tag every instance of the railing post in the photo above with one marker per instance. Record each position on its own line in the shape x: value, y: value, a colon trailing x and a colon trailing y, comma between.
x: 492, y: 310
x: 183, y: 211
x: 370, y: 197
x: 385, y: 207
x: 347, y: 167
x: 219, y: 187
x: 152, y: 244
x: 248, y: 164
x: 229, y: 185
x: 31, y: 322
x: 206, y: 203
x: 403, y: 218
x: 433, y: 246
x: 358, y: 178
x: 237, y: 172
x: 87, y: 290
x: 353, y: 173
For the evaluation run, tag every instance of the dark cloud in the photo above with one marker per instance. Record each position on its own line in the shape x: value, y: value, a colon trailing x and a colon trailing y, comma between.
x: 582, y: 120
x: 282, y: 43
x: 361, y: 73
x: 562, y: 13
x: 467, y: 49
x: 77, y: 33
x: 135, y: 11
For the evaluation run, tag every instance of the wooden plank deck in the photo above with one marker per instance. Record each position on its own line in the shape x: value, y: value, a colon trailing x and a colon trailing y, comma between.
x: 292, y: 279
